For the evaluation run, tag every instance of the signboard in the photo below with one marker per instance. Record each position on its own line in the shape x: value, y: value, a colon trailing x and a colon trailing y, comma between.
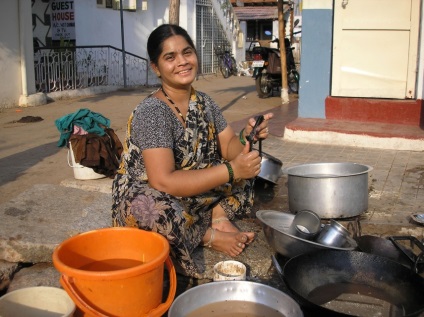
x: 63, y: 20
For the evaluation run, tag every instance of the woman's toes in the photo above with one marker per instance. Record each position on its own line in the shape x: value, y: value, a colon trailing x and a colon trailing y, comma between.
x: 246, y: 237
x: 250, y: 237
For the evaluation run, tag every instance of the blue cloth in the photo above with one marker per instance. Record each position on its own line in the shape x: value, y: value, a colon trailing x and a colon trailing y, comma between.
x: 90, y: 121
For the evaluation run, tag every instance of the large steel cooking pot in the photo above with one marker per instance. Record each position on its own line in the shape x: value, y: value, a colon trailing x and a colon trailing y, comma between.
x: 332, y: 190
x: 234, y: 297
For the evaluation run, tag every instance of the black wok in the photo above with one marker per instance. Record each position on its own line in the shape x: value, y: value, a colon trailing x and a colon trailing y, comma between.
x: 391, y: 249
x: 367, y: 282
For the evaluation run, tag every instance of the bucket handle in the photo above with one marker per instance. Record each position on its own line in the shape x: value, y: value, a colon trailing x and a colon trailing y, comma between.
x: 72, y: 159
x: 158, y: 311
x: 66, y: 283
x: 162, y: 308
x: 68, y: 157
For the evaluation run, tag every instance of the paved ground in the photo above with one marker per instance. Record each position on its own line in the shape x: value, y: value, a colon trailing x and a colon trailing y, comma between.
x: 38, y: 191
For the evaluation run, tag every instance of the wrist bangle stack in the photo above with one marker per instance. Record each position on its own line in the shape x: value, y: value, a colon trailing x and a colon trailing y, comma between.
x: 230, y: 172
x: 241, y: 137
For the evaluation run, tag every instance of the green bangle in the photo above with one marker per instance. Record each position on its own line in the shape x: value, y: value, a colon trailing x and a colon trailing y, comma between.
x: 241, y: 137
x: 230, y: 172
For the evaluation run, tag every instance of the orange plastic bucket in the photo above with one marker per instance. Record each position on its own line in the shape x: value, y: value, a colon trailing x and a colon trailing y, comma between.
x: 116, y: 272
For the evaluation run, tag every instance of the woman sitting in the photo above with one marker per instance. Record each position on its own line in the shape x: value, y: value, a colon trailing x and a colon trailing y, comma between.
x: 184, y: 173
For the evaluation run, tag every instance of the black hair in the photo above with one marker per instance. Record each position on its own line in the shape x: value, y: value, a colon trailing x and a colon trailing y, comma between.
x: 162, y: 33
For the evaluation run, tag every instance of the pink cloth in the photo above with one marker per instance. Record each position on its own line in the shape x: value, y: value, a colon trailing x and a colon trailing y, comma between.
x: 79, y: 131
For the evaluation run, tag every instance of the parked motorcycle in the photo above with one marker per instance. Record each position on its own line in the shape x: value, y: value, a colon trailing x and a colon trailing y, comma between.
x: 267, y: 69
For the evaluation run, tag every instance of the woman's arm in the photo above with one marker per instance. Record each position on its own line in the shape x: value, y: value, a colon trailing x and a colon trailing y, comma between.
x: 163, y: 176
x: 230, y: 145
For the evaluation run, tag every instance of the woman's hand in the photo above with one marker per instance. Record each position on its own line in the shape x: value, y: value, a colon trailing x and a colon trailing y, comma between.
x: 262, y: 131
x: 247, y: 164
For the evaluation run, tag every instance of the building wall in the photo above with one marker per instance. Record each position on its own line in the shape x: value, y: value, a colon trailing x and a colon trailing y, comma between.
x: 315, y: 70
x: 102, y: 26
x: 10, y: 83
x: 316, y: 59
x: 188, y: 17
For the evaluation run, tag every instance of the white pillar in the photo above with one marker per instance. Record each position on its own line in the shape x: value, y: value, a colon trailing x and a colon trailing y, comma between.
x: 28, y: 94
x: 26, y: 47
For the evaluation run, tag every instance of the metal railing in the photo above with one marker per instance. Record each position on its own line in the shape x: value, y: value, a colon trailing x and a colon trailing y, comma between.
x: 75, y: 67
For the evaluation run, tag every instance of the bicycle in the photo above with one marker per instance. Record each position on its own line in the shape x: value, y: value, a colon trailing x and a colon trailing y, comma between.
x: 227, y: 63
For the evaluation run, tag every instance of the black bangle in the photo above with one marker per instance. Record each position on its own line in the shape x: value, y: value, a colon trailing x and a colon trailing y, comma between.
x: 241, y: 137
x: 230, y: 172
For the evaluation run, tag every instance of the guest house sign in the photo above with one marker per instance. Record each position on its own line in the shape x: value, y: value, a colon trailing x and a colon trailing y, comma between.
x: 63, y: 20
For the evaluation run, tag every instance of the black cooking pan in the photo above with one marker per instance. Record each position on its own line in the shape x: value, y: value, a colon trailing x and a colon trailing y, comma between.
x: 391, y: 249
x: 368, y: 283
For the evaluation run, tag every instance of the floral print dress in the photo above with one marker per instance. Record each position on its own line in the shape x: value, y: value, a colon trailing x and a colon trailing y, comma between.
x: 183, y: 221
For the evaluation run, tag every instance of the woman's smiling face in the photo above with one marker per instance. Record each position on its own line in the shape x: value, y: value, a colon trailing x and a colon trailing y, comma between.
x: 177, y: 63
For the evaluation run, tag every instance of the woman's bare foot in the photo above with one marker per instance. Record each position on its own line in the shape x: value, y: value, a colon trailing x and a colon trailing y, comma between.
x: 226, y: 237
x: 224, y: 224
x: 231, y: 243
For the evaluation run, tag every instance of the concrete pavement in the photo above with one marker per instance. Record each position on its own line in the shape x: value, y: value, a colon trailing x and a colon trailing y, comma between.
x: 41, y: 203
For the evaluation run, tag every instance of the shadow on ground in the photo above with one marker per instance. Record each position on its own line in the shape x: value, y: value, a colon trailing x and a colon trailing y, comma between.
x: 15, y: 165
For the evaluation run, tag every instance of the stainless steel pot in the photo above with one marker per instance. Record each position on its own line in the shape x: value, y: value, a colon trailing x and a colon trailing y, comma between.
x: 224, y: 295
x: 270, y: 168
x: 332, y: 190
x: 333, y: 234
x: 306, y: 225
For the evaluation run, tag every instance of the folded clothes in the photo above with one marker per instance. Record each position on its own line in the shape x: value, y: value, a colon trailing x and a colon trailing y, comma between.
x: 101, y: 153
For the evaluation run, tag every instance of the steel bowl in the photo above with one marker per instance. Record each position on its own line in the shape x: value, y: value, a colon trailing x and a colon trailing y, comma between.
x: 276, y: 224
x: 223, y: 296
x: 332, y: 190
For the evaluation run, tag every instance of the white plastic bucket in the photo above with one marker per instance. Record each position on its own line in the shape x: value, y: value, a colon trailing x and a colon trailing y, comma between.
x: 80, y: 171
x: 40, y: 301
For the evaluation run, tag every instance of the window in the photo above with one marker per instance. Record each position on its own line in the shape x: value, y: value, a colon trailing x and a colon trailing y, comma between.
x: 256, y: 30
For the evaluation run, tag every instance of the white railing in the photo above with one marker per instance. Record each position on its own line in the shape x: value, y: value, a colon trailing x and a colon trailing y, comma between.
x: 66, y: 68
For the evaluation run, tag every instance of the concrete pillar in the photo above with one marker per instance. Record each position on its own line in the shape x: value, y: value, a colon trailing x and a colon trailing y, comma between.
x: 28, y: 95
